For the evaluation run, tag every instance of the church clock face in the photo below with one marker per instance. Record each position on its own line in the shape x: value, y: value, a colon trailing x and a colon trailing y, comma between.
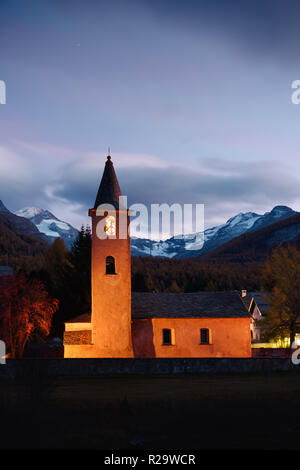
x: 110, y: 226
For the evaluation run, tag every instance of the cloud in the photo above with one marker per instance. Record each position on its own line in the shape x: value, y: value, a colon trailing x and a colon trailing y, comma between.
x: 225, y: 187
x: 27, y: 180
x: 68, y: 186
x: 20, y: 180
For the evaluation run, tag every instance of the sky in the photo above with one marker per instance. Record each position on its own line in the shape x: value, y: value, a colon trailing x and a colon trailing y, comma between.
x: 193, y: 98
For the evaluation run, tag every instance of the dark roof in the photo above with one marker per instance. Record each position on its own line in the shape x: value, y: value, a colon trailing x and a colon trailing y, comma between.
x: 109, y: 190
x: 258, y: 299
x: 83, y: 318
x: 247, y: 300
x: 194, y: 305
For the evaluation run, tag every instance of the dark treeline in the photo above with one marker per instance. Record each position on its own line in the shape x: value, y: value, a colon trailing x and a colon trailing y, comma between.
x: 192, y: 275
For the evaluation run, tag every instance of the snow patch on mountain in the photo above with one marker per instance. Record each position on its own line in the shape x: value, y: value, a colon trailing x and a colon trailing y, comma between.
x: 180, y: 247
x: 48, y: 228
x: 200, y: 243
x: 29, y: 212
x: 50, y: 225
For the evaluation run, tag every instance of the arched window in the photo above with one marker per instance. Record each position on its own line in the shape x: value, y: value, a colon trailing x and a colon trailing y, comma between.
x: 110, y: 225
x: 205, y: 336
x: 110, y: 265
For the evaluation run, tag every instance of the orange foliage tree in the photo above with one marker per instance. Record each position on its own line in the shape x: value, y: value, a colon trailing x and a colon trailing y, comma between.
x: 281, y: 279
x: 26, y: 312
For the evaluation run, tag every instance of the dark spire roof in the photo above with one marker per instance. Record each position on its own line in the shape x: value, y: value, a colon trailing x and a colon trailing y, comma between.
x: 109, y: 189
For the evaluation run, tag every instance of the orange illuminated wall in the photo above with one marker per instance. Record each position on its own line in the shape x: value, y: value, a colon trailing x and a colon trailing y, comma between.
x: 229, y: 337
x: 111, y: 293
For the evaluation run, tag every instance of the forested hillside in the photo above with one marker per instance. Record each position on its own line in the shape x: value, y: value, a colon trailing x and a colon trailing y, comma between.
x: 17, y: 249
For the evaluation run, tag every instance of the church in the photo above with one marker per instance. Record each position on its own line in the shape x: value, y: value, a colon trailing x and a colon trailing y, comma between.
x: 125, y: 324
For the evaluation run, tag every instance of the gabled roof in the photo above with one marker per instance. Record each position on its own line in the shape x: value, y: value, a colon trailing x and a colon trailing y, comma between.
x: 260, y: 301
x: 109, y: 190
x: 192, y: 305
x: 258, y: 298
x: 188, y: 305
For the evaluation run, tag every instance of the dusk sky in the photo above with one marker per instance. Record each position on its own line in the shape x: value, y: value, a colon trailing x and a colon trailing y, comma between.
x: 193, y: 97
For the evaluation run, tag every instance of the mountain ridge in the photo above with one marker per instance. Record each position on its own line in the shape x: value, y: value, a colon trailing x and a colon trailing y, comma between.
x: 213, y: 237
x: 14, y: 244
x: 48, y: 224
x: 44, y: 225
x: 21, y: 224
x: 257, y: 245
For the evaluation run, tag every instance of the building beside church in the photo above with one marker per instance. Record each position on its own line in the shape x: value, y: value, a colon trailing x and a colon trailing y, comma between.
x: 257, y: 306
x: 123, y: 324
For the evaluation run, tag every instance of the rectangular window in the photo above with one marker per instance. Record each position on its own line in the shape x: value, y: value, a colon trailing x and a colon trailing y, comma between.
x: 168, y: 337
x: 204, y: 336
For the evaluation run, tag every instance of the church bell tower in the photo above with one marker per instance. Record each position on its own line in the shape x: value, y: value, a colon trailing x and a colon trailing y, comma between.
x: 111, y: 270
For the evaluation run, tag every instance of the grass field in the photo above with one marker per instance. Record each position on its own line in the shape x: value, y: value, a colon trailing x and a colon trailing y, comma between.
x: 241, y: 411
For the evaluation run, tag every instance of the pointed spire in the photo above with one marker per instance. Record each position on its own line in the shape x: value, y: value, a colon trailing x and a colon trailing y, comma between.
x: 109, y: 189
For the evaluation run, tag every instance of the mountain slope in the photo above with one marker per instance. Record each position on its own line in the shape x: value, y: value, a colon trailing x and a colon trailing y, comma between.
x: 49, y: 225
x: 257, y: 245
x: 17, y: 244
x: 213, y: 237
x: 21, y: 224
x: 277, y: 213
x: 186, y: 247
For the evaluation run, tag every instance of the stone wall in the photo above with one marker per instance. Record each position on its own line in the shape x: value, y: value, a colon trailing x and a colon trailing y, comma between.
x: 271, y: 352
x: 91, y: 367
x: 78, y: 337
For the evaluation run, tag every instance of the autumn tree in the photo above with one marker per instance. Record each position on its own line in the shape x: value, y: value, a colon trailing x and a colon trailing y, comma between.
x: 174, y: 287
x: 67, y: 277
x: 26, y: 312
x: 281, y: 281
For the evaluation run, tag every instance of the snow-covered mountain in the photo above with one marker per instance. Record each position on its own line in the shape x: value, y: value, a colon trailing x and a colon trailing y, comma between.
x: 21, y: 224
x: 183, y: 247
x: 277, y: 213
x: 48, y: 224
x: 213, y: 237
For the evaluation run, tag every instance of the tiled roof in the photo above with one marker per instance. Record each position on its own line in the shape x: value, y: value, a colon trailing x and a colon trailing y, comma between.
x: 193, y: 305
x: 247, y: 300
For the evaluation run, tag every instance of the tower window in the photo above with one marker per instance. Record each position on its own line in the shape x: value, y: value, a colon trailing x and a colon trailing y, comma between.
x: 110, y: 265
x: 205, y: 336
x: 168, y: 337
x: 110, y: 225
